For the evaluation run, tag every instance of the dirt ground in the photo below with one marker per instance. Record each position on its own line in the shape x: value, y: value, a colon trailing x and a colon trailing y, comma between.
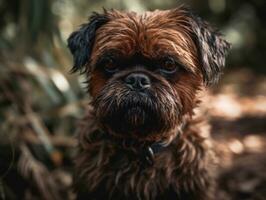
x: 238, y: 118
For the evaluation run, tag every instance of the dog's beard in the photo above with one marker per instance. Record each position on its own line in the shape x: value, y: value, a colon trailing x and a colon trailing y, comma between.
x: 131, y: 113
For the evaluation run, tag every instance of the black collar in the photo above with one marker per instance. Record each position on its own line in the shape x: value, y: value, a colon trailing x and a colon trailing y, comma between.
x: 150, y: 151
x: 145, y: 150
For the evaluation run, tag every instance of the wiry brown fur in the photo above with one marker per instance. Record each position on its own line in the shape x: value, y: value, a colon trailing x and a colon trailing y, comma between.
x: 185, y: 168
x: 152, y: 34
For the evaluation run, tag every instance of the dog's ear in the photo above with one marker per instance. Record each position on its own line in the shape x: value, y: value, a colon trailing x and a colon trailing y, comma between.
x: 81, y: 41
x: 211, y: 47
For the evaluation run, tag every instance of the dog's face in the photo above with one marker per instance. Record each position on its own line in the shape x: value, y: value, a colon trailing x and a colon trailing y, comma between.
x: 145, y: 69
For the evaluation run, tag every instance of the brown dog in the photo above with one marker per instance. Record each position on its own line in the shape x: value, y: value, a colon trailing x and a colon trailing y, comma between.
x: 140, y: 138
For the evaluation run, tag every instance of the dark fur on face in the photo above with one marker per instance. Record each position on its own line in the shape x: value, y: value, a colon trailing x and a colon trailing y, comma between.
x: 144, y: 73
x: 134, y: 114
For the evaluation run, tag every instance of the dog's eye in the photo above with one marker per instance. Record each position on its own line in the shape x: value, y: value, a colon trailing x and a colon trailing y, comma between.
x: 169, y: 66
x: 109, y: 65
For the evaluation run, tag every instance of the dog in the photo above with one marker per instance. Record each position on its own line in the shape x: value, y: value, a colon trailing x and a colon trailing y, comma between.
x: 140, y: 137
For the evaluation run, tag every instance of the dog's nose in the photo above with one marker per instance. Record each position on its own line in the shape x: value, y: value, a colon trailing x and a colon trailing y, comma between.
x: 138, y: 81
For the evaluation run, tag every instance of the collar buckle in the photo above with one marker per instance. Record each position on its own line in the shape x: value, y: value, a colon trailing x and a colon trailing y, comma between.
x: 148, y: 155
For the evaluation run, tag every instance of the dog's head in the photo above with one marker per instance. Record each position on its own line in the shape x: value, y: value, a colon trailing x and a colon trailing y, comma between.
x: 145, y: 69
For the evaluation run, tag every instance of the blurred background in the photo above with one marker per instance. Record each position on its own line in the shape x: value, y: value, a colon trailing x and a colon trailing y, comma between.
x: 40, y: 101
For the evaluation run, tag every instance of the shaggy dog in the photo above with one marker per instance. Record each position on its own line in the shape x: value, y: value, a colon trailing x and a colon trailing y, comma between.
x: 141, y: 138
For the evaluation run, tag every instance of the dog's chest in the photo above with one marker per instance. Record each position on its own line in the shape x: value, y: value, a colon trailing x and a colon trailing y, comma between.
x: 119, y: 174
x: 123, y: 174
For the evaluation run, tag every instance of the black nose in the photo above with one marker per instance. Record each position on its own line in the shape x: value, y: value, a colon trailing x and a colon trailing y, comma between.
x: 138, y: 81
